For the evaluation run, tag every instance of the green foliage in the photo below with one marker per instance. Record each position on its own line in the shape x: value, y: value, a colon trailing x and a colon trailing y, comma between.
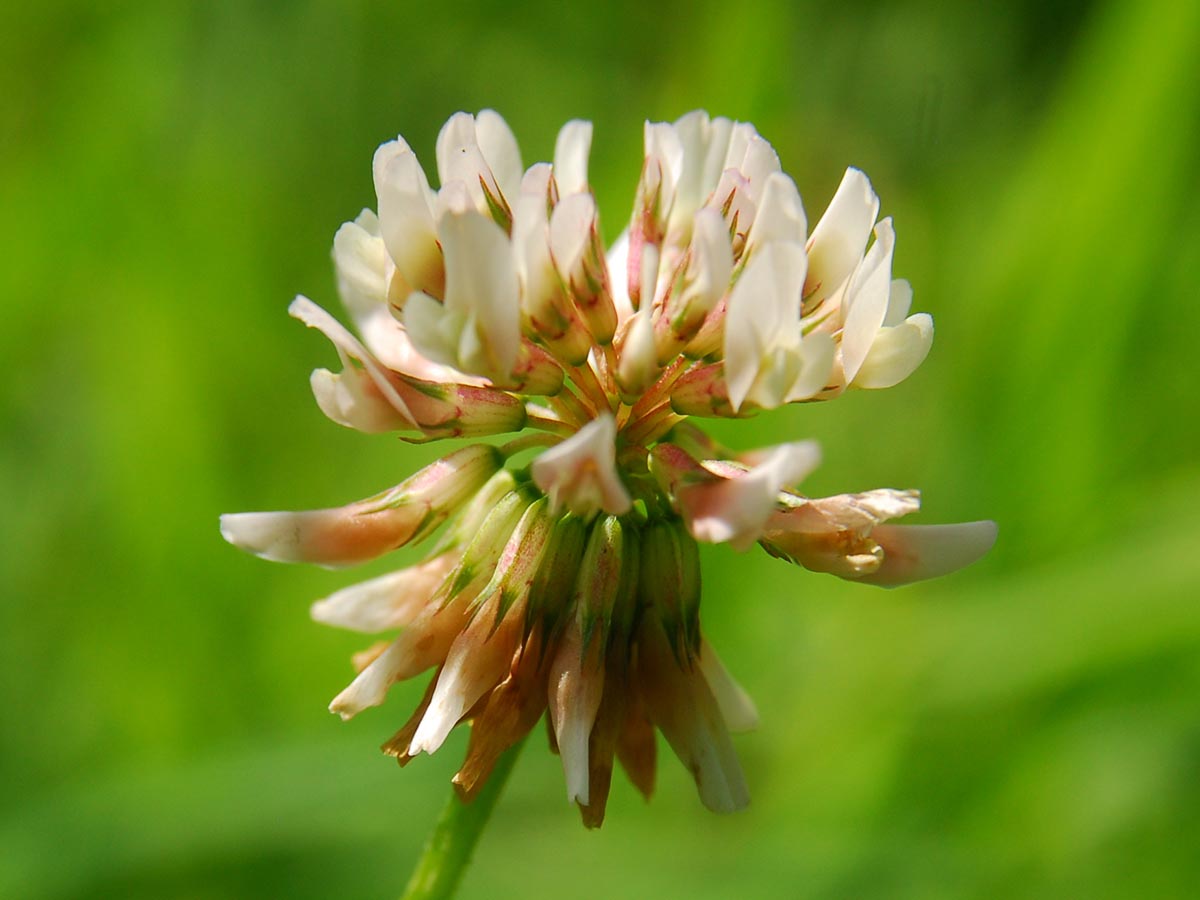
x: 172, y: 175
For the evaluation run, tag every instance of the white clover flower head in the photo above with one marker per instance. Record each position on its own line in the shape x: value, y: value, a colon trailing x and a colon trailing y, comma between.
x: 571, y: 585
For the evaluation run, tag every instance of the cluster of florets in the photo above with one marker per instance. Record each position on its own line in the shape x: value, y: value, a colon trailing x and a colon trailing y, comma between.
x: 572, y: 584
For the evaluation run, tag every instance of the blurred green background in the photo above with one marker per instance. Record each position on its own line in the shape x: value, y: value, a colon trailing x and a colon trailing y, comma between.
x: 172, y: 174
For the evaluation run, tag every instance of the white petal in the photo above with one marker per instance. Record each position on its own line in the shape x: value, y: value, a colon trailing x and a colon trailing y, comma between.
x: 406, y: 220
x: 638, y: 362
x: 711, y: 266
x: 391, y: 601
x: 360, y: 258
x: 736, y: 509
x: 571, y: 150
x: 838, y: 241
x: 349, y: 346
x: 570, y: 231
x: 867, y: 300
x: 458, y: 156
x: 662, y: 145
x: 576, y: 686
x: 780, y: 214
x: 477, y: 661
x: 759, y: 163
x: 763, y: 315
x: 740, y: 136
x: 896, y: 353
x: 421, y: 646
x: 916, y: 552
x: 331, y: 537
x: 692, y: 132
x: 501, y: 151
x: 736, y: 706
x: 618, y: 263
x: 461, y: 162
x: 481, y: 285
x: 720, y: 130
x: 817, y: 352
x: 434, y: 330
x: 899, y: 302
x: 531, y: 249
x: 362, y: 264
x: 581, y: 472
x: 351, y: 399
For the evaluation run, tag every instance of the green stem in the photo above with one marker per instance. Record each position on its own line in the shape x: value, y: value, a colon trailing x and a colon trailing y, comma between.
x: 453, y: 840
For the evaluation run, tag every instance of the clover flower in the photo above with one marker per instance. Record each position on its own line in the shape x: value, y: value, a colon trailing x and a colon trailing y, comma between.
x: 571, y: 585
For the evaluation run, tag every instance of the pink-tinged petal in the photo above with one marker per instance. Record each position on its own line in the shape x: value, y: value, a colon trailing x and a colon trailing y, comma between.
x: 476, y: 662
x: 896, y: 353
x: 571, y: 150
x: 576, y: 686
x: 866, y: 301
x: 393, y: 600
x: 737, y: 709
x: 580, y: 474
x: 837, y: 243
x: 702, y: 284
x: 481, y: 656
x: 369, y: 528
x: 681, y: 704
x: 737, y: 509
x: 857, y: 513
x: 917, y: 552
x: 579, y: 257
x: 331, y: 537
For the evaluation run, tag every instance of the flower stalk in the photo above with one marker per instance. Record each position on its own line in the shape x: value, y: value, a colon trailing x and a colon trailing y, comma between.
x: 452, y: 842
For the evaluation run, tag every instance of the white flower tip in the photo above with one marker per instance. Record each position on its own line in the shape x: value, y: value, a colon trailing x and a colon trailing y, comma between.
x: 897, y: 352
x: 570, y: 230
x: 581, y: 472
x: 272, y: 536
x: 304, y: 309
x: 573, y: 749
x: 858, y: 186
x: 638, y: 363
x: 326, y: 613
x: 571, y: 150
x: 918, y: 552
x: 432, y: 732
